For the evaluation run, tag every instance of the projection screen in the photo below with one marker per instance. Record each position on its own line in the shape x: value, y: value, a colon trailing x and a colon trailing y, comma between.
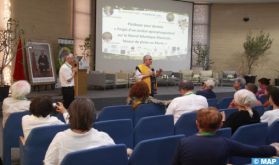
x: 126, y: 30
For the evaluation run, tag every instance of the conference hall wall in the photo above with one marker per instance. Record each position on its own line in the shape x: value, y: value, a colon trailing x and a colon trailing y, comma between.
x: 44, y: 20
x: 228, y: 32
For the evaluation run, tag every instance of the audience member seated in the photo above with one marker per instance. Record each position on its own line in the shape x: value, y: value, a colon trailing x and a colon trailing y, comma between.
x: 210, y: 149
x: 18, y: 101
x: 80, y: 136
x: 207, y: 89
x: 244, y: 100
x: 268, y: 89
x: 40, y: 109
x: 188, y: 102
x: 253, y: 88
x: 271, y: 116
x: 139, y: 94
x: 238, y: 84
x: 263, y: 84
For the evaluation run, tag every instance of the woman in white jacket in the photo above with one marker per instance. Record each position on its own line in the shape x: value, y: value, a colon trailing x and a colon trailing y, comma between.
x: 40, y: 108
x: 80, y: 136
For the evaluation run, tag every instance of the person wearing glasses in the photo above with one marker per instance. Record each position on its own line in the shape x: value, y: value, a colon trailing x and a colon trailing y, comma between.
x: 146, y: 73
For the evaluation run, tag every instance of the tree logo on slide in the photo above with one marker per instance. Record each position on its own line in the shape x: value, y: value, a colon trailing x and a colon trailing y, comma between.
x: 108, y: 10
x: 107, y: 36
x: 170, y: 17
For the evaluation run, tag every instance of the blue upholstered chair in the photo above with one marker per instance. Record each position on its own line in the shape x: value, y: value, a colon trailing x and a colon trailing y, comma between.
x: 225, y: 132
x: 224, y: 102
x: 186, y: 124
x: 252, y: 134
x: 212, y: 102
x: 228, y: 112
x: 116, y: 112
x: 33, y: 149
x: 145, y: 110
x: 260, y: 109
x: 273, y: 132
x: 121, y: 131
x: 11, y: 133
x: 106, y: 155
x: 153, y: 127
x: 157, y: 151
x: 263, y: 99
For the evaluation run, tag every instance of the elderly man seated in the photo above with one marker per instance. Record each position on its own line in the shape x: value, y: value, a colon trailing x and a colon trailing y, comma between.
x: 188, y: 102
x: 207, y: 89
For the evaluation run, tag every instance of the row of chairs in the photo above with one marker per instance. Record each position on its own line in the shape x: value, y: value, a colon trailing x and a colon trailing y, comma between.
x: 35, y: 146
x: 120, y: 130
x: 260, y: 109
x: 143, y: 110
x: 115, y: 112
x: 126, y: 112
x: 225, y: 102
x: 156, y: 152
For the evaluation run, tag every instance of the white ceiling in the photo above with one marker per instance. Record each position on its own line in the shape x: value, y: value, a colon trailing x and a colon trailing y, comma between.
x: 233, y: 1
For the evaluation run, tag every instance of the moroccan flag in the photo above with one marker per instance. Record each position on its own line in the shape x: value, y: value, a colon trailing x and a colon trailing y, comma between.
x: 19, y: 67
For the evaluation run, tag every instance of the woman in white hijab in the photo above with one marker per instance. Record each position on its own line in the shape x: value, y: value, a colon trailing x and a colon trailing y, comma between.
x: 244, y: 101
x: 17, y: 102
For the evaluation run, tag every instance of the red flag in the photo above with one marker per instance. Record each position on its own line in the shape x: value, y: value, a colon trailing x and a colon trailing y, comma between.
x: 19, y: 68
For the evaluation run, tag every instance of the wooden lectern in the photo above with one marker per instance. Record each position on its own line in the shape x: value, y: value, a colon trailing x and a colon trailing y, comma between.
x: 81, y: 82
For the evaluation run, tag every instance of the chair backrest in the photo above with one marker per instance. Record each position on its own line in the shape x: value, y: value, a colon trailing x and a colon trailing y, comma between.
x: 224, y: 102
x: 260, y: 109
x: 153, y: 127
x: 263, y: 99
x: 121, y: 131
x: 158, y: 151
x: 273, y: 133
x: 228, y: 112
x: 145, y: 110
x: 206, y: 73
x: 229, y: 74
x: 186, y: 124
x: 225, y: 132
x: 106, y: 155
x: 168, y: 73
x: 252, y: 134
x: 116, y: 112
x: 212, y: 102
x: 121, y: 75
x: 186, y: 74
x: 269, y: 108
x: 36, y: 144
x: 11, y: 133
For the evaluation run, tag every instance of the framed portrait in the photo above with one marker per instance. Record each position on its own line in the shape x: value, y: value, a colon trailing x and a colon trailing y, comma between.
x: 40, y: 63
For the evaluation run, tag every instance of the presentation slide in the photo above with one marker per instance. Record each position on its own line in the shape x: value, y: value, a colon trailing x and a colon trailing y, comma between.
x: 136, y: 33
x: 125, y: 33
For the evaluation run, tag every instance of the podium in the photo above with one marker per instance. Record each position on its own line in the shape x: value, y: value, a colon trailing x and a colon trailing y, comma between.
x: 81, y: 82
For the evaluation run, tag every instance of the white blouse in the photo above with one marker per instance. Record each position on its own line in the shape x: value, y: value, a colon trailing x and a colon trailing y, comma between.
x: 30, y: 121
x: 69, y: 141
x: 270, y: 116
x: 11, y: 105
x: 188, y: 103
